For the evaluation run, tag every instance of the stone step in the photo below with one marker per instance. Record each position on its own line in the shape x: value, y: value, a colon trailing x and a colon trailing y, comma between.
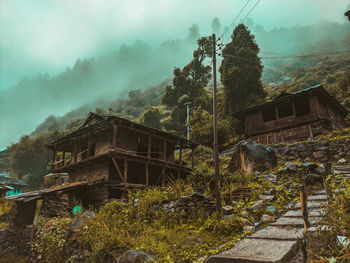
x: 258, y: 251
x: 310, y: 205
x: 322, y: 192
x: 297, y: 213
x: 278, y: 233
x: 296, y: 222
x: 321, y: 197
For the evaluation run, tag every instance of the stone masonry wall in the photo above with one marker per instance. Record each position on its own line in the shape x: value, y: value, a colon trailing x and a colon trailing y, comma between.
x: 316, y: 151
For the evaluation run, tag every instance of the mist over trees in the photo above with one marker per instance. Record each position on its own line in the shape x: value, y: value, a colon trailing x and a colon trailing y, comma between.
x: 97, y: 82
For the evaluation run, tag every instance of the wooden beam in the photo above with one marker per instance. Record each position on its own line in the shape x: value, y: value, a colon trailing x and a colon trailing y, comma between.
x: 115, y: 135
x: 147, y: 173
x: 63, y: 158
x: 118, y: 170
x: 149, y: 147
x: 125, y: 170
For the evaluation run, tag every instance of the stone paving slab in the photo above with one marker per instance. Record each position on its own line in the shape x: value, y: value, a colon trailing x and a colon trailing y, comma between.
x: 293, y: 221
x: 257, y: 251
x: 322, y: 192
x: 322, y: 198
x: 310, y: 205
x: 297, y: 213
x: 278, y: 233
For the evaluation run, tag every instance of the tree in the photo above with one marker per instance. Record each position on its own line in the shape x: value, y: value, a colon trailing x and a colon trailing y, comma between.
x: 151, y: 117
x: 188, y: 85
x: 241, y: 71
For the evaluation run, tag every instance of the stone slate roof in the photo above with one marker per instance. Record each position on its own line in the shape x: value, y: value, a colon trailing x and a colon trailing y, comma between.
x: 284, y: 97
x: 96, y: 122
x: 7, y: 180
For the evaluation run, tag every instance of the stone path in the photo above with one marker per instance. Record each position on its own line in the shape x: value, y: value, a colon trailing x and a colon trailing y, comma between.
x: 280, y: 242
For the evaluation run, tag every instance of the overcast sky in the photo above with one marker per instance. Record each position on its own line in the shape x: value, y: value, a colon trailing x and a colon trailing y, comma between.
x: 48, y: 36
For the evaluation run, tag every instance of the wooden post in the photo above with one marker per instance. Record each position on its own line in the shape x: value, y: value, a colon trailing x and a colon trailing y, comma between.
x: 89, y: 147
x: 192, y: 157
x: 303, y: 202
x: 293, y: 107
x: 164, y: 150
x: 115, y: 135
x: 149, y: 147
x: 178, y: 173
x: 74, y: 153
x: 63, y: 158
x: 276, y: 110
x: 310, y: 131
x: 126, y: 170
x: 54, y: 159
x: 147, y: 174
x: 180, y: 154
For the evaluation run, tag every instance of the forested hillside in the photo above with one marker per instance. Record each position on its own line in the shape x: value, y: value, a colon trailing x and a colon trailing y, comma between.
x: 302, y: 58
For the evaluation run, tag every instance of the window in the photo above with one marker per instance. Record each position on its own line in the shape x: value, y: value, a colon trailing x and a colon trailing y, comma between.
x: 269, y: 114
x: 285, y: 110
x: 302, y: 107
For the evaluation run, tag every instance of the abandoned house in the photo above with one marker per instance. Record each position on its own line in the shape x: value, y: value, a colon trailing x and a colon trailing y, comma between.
x: 15, y: 185
x: 4, y: 189
x: 293, y: 117
x: 103, y: 158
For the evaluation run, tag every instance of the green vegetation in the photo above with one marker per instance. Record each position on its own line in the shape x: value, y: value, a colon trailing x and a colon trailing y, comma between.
x: 151, y: 117
x: 241, y: 70
x: 327, y: 245
x: 188, y: 85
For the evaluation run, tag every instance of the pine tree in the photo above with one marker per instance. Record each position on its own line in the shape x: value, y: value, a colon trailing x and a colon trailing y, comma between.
x: 241, y: 71
x: 188, y: 85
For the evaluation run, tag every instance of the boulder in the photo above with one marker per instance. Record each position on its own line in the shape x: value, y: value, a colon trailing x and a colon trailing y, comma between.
x: 270, y: 177
x: 292, y: 167
x: 258, y: 205
x: 267, y: 219
x: 227, y: 210
x: 249, y: 156
x: 318, y: 154
x: 341, y: 161
x: 133, y: 256
x: 249, y: 228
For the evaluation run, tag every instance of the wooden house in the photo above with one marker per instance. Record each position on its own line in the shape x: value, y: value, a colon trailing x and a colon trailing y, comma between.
x: 15, y: 184
x: 104, y: 158
x: 293, y: 117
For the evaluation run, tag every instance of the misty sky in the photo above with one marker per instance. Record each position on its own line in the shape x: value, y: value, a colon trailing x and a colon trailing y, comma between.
x: 48, y: 36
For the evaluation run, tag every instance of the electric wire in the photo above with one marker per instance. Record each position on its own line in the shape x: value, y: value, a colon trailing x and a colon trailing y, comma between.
x: 234, y: 20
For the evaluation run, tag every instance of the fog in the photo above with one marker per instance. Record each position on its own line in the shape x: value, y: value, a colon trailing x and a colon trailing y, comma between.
x: 56, y: 56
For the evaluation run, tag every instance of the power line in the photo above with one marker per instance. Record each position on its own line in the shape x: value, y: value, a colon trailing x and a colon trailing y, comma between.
x: 234, y: 20
x: 227, y: 38
x: 291, y: 56
x: 251, y: 10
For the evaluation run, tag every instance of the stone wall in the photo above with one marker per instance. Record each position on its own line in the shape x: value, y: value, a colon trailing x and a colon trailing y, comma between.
x: 316, y: 151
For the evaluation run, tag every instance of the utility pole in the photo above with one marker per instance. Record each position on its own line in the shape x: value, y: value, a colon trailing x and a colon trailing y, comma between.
x: 188, y: 119
x: 215, y: 124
